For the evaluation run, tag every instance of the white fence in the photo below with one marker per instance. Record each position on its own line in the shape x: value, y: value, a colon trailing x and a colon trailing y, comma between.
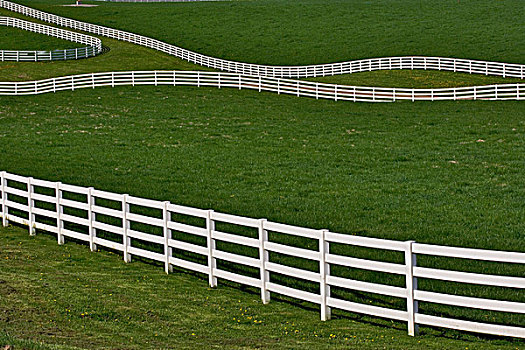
x: 416, y: 62
x: 121, y: 222
x: 94, y: 44
x: 259, y: 83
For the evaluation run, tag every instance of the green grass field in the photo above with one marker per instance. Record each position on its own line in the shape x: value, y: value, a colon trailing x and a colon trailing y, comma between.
x: 401, y: 171
x: 446, y: 173
x: 18, y: 39
x: 70, y: 298
x: 316, y: 31
x: 217, y: 39
x: 121, y: 56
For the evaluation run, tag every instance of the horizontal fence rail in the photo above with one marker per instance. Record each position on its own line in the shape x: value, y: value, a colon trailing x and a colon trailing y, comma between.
x: 258, y: 83
x: 410, y: 62
x: 125, y: 223
x: 93, y: 48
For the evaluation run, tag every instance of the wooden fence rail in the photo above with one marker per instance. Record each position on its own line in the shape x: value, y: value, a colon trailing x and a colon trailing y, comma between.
x: 93, y: 48
x: 259, y: 83
x: 118, y: 221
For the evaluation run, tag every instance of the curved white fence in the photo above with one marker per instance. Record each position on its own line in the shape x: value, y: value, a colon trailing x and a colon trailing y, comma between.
x: 365, y: 65
x: 85, y: 214
x: 259, y: 83
x: 94, y: 44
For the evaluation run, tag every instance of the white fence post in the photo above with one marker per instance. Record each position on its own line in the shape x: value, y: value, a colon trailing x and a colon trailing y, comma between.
x: 4, y: 199
x: 126, y: 241
x: 210, y: 227
x: 411, y: 285
x: 168, y: 251
x: 263, y: 256
x: 91, y: 218
x: 324, y: 270
x: 30, y: 204
x: 58, y: 194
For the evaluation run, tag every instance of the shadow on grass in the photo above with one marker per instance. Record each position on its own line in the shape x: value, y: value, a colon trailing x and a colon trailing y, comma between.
x: 336, y: 313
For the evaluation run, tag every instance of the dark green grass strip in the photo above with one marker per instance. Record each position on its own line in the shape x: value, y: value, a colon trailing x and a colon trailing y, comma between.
x: 417, y: 79
x: 19, y: 39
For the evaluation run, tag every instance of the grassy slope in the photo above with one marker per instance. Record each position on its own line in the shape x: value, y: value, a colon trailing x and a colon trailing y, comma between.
x: 18, y: 39
x: 382, y: 170
x: 122, y: 56
x: 71, y: 298
x: 126, y: 57
x: 385, y: 169
x: 317, y: 31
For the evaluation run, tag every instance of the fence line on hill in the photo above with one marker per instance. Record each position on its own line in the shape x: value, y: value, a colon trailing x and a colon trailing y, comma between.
x: 258, y: 83
x: 409, y: 62
x: 94, y: 44
x: 85, y: 214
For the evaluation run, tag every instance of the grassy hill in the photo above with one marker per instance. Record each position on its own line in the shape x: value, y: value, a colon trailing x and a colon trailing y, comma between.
x: 18, y: 39
x: 444, y: 172
x: 70, y: 298
x: 316, y: 31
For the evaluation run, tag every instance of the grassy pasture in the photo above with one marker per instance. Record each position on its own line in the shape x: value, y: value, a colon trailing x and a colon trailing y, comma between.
x: 417, y: 79
x: 70, y: 298
x: 121, y: 56
x: 446, y: 173
x: 317, y: 31
x: 124, y: 56
x: 19, y: 39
